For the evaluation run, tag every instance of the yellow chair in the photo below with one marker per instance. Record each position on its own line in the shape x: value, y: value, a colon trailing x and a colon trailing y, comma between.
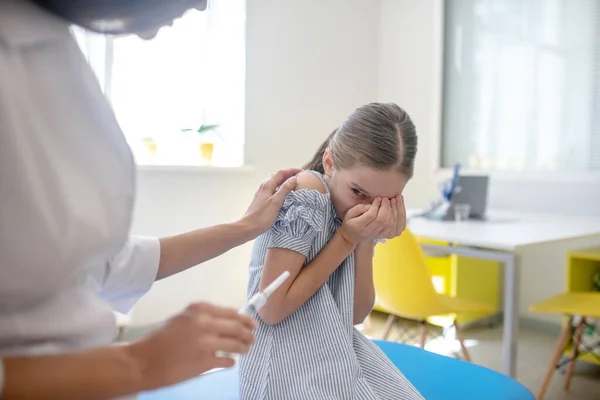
x: 404, y: 288
x: 466, y: 278
x: 571, y: 304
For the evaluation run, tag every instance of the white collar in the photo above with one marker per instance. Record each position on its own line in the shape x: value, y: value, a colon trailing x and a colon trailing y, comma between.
x: 23, y: 23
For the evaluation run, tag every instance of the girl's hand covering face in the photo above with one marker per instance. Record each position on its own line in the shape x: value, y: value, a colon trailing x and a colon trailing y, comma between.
x: 394, y: 218
x: 383, y: 219
x: 360, y: 223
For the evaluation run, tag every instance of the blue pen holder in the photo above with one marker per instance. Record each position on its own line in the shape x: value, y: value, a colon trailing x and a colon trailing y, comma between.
x: 442, y: 209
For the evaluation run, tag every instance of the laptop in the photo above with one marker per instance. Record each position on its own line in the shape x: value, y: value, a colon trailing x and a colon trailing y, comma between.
x: 472, y: 190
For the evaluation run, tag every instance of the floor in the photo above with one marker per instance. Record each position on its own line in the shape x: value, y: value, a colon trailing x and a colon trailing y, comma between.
x: 485, y: 343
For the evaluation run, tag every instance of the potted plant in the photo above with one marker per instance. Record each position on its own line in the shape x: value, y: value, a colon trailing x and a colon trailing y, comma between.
x: 150, y: 146
x: 207, y: 144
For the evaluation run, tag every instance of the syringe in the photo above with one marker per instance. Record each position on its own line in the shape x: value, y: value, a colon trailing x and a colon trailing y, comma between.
x: 257, y: 301
x: 260, y: 298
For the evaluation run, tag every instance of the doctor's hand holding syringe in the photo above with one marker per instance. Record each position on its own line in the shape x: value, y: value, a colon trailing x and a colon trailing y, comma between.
x: 211, y: 334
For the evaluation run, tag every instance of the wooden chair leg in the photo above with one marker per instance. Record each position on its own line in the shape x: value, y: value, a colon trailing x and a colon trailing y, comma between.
x: 461, y: 339
x: 389, y: 324
x: 575, y: 353
x: 423, y: 336
x: 560, y: 347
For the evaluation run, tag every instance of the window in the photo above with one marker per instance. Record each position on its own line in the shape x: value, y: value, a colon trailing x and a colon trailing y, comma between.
x: 522, y: 85
x: 190, y: 74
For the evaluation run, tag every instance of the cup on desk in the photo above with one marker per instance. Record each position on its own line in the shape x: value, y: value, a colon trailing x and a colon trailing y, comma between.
x: 462, y: 212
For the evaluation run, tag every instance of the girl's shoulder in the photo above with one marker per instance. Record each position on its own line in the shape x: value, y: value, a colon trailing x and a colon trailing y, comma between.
x: 309, y: 202
x: 311, y: 180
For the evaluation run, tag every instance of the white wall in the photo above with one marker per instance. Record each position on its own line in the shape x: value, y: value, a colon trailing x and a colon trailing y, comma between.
x: 410, y: 74
x: 309, y: 64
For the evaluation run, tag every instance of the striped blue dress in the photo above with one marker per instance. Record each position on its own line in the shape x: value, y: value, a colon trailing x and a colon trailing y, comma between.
x: 315, y: 353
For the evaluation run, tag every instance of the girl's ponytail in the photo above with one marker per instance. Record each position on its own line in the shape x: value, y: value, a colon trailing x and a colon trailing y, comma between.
x: 316, y: 164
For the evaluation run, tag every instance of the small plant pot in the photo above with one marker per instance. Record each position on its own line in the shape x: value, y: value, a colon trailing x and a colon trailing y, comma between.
x: 150, y: 147
x: 206, y: 143
x: 206, y: 152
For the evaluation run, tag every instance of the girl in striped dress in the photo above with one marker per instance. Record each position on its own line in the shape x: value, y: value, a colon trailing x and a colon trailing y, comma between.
x: 348, y: 198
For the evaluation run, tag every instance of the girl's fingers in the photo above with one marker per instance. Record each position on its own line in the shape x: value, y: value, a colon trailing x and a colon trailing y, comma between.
x: 357, y: 210
x: 392, y: 222
x: 371, y: 214
x: 401, y: 209
x: 394, y: 206
x: 380, y: 222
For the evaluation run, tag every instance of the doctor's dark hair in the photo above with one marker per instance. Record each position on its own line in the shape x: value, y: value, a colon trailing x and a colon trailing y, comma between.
x: 118, y: 16
x: 378, y: 135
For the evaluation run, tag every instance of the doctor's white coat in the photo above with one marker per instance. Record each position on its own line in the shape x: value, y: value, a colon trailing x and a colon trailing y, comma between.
x: 67, y: 184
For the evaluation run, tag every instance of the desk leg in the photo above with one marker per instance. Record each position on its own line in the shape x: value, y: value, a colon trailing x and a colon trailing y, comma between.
x: 511, y: 316
x: 511, y: 297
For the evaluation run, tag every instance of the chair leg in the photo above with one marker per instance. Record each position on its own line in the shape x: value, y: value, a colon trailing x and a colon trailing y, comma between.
x: 423, y: 336
x: 389, y: 324
x: 560, y: 347
x: 461, y: 339
x: 575, y: 353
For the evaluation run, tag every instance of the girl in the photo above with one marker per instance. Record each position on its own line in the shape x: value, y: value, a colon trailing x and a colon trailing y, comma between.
x: 349, y: 198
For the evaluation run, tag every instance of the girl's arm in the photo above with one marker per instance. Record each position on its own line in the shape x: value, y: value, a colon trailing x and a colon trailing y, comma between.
x: 360, y: 222
x: 364, y: 291
x: 304, y: 281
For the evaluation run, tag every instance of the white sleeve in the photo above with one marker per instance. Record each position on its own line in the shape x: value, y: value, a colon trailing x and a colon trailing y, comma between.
x: 131, y: 273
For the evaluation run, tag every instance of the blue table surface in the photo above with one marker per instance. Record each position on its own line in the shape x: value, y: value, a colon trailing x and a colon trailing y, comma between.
x: 436, y: 377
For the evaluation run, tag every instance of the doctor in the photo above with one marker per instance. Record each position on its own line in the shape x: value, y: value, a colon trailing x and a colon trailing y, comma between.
x: 67, y: 184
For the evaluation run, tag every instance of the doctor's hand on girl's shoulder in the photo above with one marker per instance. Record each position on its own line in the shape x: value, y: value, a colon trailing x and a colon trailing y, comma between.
x: 268, y: 200
x: 186, y: 345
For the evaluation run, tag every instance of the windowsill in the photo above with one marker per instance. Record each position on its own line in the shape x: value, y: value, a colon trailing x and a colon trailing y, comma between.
x: 195, y: 169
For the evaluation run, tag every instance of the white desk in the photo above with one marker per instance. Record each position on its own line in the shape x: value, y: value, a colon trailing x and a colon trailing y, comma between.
x: 498, y: 239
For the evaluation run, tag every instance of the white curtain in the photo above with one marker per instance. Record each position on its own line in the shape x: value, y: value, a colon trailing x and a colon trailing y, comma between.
x: 189, y: 74
x: 522, y: 85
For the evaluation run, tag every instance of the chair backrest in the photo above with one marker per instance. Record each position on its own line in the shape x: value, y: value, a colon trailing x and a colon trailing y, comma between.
x: 402, y: 279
